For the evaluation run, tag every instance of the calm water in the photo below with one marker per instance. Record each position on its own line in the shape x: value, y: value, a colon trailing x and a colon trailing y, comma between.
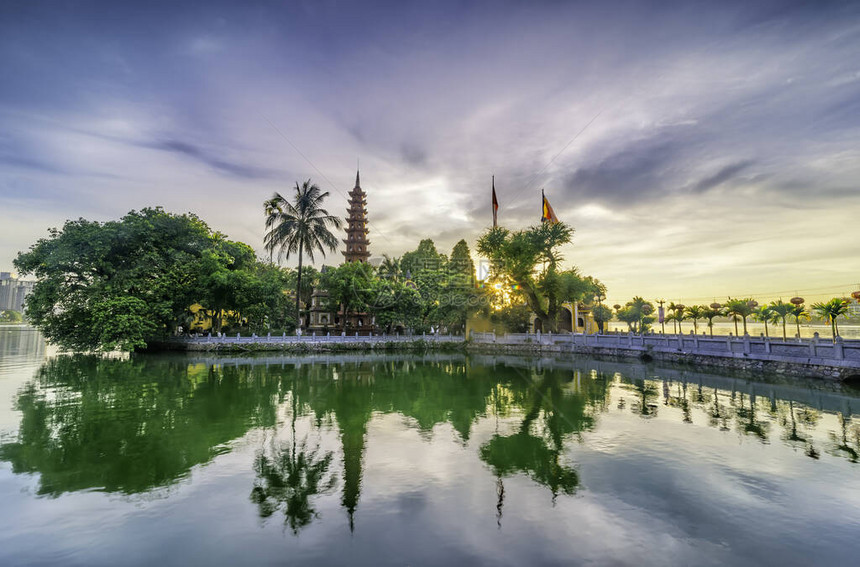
x: 411, y: 460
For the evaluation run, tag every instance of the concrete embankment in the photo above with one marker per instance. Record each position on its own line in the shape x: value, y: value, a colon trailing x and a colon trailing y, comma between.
x: 827, y: 360
x: 314, y: 344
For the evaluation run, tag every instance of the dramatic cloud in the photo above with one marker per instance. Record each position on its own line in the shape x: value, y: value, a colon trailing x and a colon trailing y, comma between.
x: 700, y: 149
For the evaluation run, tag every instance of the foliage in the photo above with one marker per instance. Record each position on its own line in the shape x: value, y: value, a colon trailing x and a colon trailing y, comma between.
x: 300, y: 226
x: 394, y: 304
x: 799, y: 313
x: 779, y: 311
x: 118, y: 284
x: 676, y: 315
x: 710, y: 314
x: 423, y: 258
x: 233, y: 282
x: 637, y: 314
x: 739, y: 308
x: 11, y: 316
x: 695, y: 312
x: 601, y: 314
x: 350, y: 288
x: 531, y: 259
x: 124, y: 284
x: 389, y: 268
x: 460, y: 297
x: 830, y: 311
x: 514, y: 317
x: 764, y: 314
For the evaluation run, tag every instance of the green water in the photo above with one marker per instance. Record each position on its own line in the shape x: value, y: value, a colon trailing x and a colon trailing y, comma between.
x: 411, y: 460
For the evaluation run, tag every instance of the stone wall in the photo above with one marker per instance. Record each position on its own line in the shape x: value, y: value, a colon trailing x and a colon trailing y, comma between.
x: 800, y: 357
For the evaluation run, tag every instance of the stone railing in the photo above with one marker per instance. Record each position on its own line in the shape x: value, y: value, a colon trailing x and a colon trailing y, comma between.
x: 839, y: 358
x: 797, y: 348
x: 317, y: 339
x: 800, y: 357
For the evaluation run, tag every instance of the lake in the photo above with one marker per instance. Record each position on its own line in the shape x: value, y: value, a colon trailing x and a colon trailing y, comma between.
x: 421, y: 459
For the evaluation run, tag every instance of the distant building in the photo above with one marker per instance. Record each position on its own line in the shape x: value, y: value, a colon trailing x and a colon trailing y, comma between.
x: 13, y: 291
x: 573, y: 318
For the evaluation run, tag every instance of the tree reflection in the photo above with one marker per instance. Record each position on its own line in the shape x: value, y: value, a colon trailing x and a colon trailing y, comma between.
x: 132, y: 425
x: 287, y: 480
x: 748, y: 419
x: 553, y: 412
x: 847, y: 442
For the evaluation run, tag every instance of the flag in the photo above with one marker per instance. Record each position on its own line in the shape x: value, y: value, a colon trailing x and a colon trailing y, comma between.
x: 495, y: 203
x: 547, y: 214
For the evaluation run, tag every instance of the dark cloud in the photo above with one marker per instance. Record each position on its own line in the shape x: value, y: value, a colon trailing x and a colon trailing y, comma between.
x: 413, y: 155
x: 640, y: 171
x: 759, y: 100
x: 198, y: 154
x: 723, y: 175
x: 32, y: 163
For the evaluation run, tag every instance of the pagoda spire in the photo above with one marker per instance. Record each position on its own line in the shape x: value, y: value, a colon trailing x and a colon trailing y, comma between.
x: 356, y: 225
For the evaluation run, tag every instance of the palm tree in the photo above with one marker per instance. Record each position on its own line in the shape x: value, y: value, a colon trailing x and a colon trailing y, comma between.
x: 710, y: 313
x: 676, y: 308
x: 389, y: 268
x: 781, y: 310
x: 301, y: 226
x: 763, y: 314
x: 695, y: 312
x: 676, y: 318
x: 739, y: 308
x: 799, y: 312
x: 830, y: 310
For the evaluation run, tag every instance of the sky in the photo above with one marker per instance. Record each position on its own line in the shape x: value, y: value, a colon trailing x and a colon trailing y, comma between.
x: 699, y: 149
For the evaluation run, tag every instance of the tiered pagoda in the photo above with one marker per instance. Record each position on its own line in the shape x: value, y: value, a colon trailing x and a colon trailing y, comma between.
x: 320, y: 319
x: 356, y: 225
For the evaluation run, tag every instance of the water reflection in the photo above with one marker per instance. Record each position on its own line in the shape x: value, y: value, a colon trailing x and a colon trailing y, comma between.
x: 131, y: 426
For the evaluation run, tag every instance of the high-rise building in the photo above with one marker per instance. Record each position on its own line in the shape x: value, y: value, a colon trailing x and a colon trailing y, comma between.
x: 13, y: 291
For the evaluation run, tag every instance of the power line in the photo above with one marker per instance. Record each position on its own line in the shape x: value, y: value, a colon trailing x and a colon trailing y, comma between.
x: 321, y: 174
x: 838, y: 289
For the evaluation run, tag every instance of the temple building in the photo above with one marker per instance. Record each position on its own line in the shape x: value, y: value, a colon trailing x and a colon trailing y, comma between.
x: 321, y: 320
x: 356, y: 225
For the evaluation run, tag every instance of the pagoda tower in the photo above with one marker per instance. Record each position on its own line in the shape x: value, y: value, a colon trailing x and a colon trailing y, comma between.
x: 356, y: 225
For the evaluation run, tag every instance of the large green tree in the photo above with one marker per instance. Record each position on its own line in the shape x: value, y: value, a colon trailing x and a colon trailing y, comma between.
x: 121, y: 284
x: 460, y: 297
x: 423, y: 258
x: 350, y: 288
x: 602, y: 315
x: 300, y: 226
x: 531, y: 259
x: 426, y: 272
x: 637, y: 314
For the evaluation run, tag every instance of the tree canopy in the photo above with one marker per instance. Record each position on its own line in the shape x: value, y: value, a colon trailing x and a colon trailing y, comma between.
x: 531, y: 260
x: 123, y: 284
